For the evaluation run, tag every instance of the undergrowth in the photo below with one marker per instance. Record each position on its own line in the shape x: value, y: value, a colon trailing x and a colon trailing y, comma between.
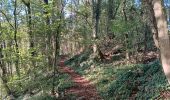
x: 139, y: 82
x: 40, y: 86
x: 133, y: 81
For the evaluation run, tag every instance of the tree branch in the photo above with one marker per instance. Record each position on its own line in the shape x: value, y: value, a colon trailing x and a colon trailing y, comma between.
x: 7, y: 19
x: 25, y: 3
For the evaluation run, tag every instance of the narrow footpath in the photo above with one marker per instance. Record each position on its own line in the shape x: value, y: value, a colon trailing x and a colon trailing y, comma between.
x: 83, y: 88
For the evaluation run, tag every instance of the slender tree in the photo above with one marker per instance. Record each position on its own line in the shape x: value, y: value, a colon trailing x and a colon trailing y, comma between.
x: 27, y: 3
x: 96, y: 11
x: 15, y: 38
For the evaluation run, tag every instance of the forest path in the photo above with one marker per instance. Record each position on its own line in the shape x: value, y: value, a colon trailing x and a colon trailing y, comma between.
x: 83, y: 88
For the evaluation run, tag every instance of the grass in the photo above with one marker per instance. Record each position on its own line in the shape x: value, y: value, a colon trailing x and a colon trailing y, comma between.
x: 135, y: 81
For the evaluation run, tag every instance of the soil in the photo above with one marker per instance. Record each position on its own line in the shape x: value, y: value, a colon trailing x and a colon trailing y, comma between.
x: 83, y: 88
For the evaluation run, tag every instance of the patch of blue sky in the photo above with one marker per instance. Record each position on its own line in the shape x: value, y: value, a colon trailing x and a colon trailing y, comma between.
x: 167, y: 3
x: 137, y: 3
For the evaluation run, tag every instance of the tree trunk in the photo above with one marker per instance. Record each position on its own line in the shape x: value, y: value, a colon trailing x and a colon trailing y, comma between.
x: 96, y: 6
x: 4, y: 72
x: 126, y: 34
x: 15, y: 39
x: 161, y: 33
x: 149, y: 18
x: 56, y: 41
x: 110, y: 17
x: 31, y: 36
x: 163, y: 37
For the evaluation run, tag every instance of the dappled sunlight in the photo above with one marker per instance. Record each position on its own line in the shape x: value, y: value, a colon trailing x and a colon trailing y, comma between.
x: 84, y: 49
x: 83, y: 87
x: 125, y: 81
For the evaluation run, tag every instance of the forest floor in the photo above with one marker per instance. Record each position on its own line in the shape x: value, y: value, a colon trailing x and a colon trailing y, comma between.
x: 117, y: 80
x: 83, y: 89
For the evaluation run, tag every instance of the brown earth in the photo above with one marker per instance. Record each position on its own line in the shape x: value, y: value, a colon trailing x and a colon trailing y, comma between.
x: 83, y: 88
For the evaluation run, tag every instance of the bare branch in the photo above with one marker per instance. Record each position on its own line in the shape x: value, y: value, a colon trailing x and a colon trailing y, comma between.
x: 7, y: 19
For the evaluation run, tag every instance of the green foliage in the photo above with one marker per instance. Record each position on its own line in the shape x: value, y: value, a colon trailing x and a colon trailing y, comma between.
x: 75, y: 24
x: 41, y: 82
x: 138, y: 81
x: 43, y: 97
x: 80, y: 62
x: 145, y: 81
x: 121, y: 26
x: 78, y: 58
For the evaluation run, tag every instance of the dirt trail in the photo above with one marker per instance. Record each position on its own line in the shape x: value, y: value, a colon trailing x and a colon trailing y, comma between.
x: 83, y: 89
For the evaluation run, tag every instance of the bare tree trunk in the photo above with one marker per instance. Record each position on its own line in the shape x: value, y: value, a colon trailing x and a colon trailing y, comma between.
x: 126, y: 34
x: 30, y: 31
x: 96, y: 7
x: 161, y: 36
x: 150, y: 19
x: 110, y: 12
x: 15, y: 39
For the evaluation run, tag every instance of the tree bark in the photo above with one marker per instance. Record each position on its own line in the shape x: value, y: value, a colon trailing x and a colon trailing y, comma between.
x: 96, y: 9
x: 15, y: 39
x: 126, y: 34
x: 161, y: 34
x: 149, y: 18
